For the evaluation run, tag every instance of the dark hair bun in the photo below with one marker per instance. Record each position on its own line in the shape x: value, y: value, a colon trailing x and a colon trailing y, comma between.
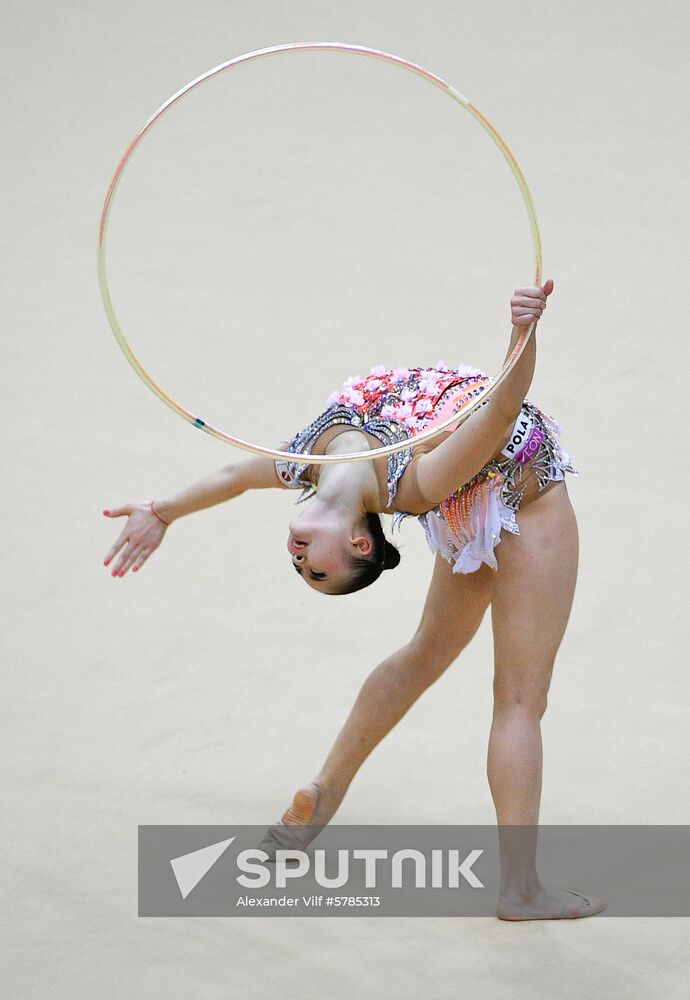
x: 391, y: 557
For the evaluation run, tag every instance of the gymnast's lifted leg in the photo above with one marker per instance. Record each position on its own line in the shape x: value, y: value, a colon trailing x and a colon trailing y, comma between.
x: 454, y: 608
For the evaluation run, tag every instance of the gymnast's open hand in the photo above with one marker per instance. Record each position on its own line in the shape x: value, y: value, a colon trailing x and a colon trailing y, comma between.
x: 141, y: 535
x: 528, y: 304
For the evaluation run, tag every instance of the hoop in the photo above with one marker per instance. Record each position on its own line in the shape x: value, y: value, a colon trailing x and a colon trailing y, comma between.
x: 203, y: 425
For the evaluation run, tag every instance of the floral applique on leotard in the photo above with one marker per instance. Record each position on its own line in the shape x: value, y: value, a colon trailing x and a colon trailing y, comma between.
x: 394, y: 405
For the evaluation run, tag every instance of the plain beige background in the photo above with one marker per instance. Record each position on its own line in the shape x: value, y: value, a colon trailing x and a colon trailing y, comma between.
x: 290, y: 227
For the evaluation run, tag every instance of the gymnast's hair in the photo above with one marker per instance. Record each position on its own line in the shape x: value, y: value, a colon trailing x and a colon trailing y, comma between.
x: 383, y: 556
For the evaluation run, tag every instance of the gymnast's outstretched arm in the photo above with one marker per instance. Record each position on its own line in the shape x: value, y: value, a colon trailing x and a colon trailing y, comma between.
x: 147, y: 521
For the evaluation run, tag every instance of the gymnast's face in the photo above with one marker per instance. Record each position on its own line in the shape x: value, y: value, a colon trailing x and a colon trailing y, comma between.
x: 321, y: 547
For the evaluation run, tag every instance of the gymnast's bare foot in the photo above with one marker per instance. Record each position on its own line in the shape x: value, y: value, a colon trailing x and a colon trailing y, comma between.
x: 545, y: 904
x: 311, y: 809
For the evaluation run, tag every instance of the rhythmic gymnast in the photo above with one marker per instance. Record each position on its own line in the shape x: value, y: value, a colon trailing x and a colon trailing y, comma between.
x: 490, y: 493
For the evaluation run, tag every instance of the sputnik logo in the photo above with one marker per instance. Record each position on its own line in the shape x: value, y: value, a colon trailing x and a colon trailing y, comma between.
x: 189, y: 869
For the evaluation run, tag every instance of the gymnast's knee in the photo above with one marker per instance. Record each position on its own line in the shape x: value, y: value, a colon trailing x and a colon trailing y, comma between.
x: 532, y: 699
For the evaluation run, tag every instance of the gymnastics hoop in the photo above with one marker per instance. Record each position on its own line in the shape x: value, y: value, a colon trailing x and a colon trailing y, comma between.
x: 203, y: 425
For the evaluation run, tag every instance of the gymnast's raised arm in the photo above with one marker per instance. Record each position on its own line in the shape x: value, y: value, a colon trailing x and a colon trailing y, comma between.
x: 474, y: 442
x: 148, y: 520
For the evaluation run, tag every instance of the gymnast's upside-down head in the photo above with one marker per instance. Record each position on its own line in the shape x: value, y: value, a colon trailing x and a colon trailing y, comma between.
x: 335, y: 555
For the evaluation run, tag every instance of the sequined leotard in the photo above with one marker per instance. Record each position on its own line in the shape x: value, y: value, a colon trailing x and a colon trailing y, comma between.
x: 397, y: 404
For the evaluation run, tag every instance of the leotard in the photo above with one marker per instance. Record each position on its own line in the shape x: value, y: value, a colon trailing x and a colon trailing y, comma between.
x: 396, y: 405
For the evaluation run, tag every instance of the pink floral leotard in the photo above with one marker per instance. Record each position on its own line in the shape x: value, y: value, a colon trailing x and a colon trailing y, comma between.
x: 398, y: 404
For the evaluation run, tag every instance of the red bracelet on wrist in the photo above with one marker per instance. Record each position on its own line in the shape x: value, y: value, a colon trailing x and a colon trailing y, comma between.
x: 156, y: 514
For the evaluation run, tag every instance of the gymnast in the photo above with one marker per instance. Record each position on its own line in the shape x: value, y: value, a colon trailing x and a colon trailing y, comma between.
x: 490, y: 493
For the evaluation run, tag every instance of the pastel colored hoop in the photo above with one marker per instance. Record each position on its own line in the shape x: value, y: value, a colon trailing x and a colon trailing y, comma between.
x: 239, y: 442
